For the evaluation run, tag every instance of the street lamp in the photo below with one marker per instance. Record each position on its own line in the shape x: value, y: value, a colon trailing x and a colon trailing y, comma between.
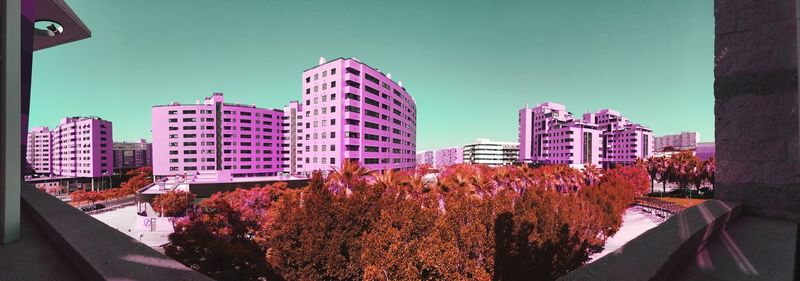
x: 110, y: 181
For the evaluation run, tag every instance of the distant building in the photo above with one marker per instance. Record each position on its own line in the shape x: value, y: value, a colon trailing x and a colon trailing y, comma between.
x: 681, y: 141
x: 705, y: 150
x: 128, y: 155
x: 492, y: 153
x: 39, y: 152
x: 549, y: 134
x: 82, y: 147
x: 448, y: 156
x: 425, y: 158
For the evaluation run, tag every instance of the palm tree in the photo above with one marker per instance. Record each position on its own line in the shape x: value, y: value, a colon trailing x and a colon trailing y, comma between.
x: 710, y: 170
x: 591, y: 173
x: 652, y: 168
x: 348, y: 176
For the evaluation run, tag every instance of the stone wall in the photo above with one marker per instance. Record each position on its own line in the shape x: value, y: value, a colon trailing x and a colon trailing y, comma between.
x: 756, y: 106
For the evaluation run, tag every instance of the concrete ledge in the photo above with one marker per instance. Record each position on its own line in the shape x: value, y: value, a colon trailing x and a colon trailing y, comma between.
x: 96, y: 250
x: 661, y: 252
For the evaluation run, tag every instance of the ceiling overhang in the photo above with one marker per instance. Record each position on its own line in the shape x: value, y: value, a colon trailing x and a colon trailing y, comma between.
x: 58, y: 11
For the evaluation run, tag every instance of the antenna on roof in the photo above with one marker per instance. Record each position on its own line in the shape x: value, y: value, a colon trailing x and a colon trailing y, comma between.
x: 400, y: 83
x: 322, y: 60
x: 389, y: 75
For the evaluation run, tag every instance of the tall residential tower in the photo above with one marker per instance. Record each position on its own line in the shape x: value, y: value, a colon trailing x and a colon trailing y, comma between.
x: 353, y: 112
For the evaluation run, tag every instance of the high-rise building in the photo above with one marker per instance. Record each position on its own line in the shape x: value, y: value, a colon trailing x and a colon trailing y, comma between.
x: 224, y: 139
x: 349, y: 111
x: 353, y: 112
x: 292, y: 134
x: 425, y: 158
x: 448, y: 156
x: 622, y: 146
x: 681, y: 141
x: 82, y: 147
x: 128, y: 155
x: 492, y: 153
x: 39, y: 150
x: 549, y: 134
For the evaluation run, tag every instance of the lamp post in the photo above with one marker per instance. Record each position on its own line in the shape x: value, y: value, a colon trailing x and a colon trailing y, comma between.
x: 110, y: 181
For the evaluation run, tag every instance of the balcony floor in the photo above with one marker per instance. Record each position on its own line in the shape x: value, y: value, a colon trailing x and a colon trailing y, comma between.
x: 33, y: 257
x: 751, y: 248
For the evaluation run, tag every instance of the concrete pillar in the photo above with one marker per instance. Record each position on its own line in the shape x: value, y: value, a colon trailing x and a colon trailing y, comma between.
x: 10, y: 115
x: 756, y: 106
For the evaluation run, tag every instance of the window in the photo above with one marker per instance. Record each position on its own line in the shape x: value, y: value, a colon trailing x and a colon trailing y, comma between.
x: 352, y: 96
x: 371, y: 90
x: 333, y: 71
x: 333, y: 84
x: 351, y: 108
x: 370, y: 78
x: 173, y: 112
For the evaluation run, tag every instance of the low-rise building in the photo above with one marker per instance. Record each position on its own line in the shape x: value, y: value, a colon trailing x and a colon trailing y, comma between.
x: 680, y: 141
x: 705, y: 150
x: 448, y: 156
x: 425, y: 158
x: 492, y: 153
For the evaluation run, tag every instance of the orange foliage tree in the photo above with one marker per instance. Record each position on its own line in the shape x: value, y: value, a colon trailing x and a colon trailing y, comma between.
x: 173, y: 203
x: 473, y: 223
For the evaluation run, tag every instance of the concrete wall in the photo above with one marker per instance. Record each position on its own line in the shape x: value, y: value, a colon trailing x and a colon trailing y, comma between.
x: 756, y: 106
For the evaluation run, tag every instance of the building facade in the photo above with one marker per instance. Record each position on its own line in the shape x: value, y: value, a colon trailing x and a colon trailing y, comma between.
x: 349, y: 111
x: 128, y: 155
x: 492, y: 153
x: 82, y: 147
x: 426, y: 158
x: 705, y: 150
x: 224, y: 139
x: 448, y: 156
x: 681, y: 141
x: 38, y: 151
x: 549, y: 134
x: 353, y: 112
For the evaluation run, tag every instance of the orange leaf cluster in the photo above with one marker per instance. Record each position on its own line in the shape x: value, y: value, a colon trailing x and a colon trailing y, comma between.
x: 472, y: 222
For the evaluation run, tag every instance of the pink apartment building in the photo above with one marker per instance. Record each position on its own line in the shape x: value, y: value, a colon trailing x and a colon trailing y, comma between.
x: 353, y: 112
x: 349, y: 111
x: 549, y: 134
x: 39, y: 150
x: 82, y: 147
x: 426, y: 158
x: 226, y: 139
x: 448, y: 156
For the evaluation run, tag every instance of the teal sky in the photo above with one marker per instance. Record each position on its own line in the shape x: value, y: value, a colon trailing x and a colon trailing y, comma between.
x: 470, y: 65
